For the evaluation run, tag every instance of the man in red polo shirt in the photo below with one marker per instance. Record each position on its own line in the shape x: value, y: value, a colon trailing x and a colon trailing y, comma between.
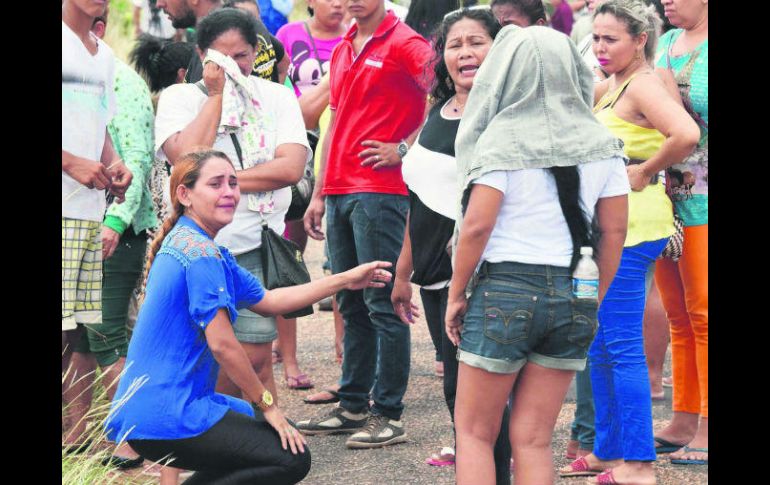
x: 379, y: 79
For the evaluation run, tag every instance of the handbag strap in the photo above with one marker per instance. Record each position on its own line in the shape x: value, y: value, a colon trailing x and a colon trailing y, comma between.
x: 315, y: 51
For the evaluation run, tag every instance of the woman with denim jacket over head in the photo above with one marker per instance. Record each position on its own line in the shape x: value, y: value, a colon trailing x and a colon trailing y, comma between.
x: 534, y: 167
x: 636, y: 106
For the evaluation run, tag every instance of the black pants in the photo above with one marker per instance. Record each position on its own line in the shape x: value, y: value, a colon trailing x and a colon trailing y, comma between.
x: 434, y: 303
x: 236, y: 450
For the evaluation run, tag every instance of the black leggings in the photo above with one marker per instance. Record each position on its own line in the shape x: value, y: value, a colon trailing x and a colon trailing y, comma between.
x: 434, y: 303
x: 236, y: 450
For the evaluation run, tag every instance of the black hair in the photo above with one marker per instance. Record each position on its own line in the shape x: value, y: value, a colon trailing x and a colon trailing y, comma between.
x: 580, y: 230
x: 159, y: 60
x: 425, y: 15
x: 532, y: 9
x: 222, y: 20
x: 443, y: 87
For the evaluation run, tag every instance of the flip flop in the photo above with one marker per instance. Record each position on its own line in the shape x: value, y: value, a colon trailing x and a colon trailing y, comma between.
x: 687, y: 449
x: 446, y: 457
x: 580, y: 468
x: 604, y: 478
x: 667, y: 381
x: 301, y: 381
x: 666, y: 446
x: 335, y: 398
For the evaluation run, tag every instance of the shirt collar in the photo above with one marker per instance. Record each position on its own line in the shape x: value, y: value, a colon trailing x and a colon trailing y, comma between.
x: 186, y: 221
x: 387, y: 24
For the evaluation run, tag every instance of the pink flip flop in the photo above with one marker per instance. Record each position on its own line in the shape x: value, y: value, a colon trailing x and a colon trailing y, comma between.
x: 579, y: 468
x: 442, y: 458
x: 605, y: 478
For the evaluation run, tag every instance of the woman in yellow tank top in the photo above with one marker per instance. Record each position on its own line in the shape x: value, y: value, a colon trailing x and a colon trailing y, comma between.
x: 636, y: 106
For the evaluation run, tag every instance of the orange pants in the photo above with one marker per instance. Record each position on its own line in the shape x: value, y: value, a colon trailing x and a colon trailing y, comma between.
x: 683, y: 288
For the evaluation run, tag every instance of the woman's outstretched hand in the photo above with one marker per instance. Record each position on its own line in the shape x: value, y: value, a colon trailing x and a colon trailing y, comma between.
x: 369, y: 275
x: 290, y: 436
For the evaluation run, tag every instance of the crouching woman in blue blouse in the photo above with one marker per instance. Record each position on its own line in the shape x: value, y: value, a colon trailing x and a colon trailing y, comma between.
x: 165, y: 406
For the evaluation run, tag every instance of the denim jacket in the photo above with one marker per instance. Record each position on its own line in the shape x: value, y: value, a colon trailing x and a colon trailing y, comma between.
x: 530, y: 107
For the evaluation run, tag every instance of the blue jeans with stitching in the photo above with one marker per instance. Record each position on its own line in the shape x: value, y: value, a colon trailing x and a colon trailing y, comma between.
x: 360, y: 228
x: 619, y: 377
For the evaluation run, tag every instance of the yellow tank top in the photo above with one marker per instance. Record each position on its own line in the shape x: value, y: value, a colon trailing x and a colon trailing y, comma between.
x: 650, y: 212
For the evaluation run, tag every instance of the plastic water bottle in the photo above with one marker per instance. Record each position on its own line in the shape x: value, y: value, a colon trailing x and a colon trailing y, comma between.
x: 585, y: 278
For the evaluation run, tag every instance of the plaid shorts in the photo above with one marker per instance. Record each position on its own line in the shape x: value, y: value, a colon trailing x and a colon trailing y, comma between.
x: 81, y: 272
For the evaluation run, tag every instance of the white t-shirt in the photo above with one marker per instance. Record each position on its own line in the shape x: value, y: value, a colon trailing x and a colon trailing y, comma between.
x: 179, y: 104
x: 530, y: 227
x: 161, y: 28
x: 87, y: 106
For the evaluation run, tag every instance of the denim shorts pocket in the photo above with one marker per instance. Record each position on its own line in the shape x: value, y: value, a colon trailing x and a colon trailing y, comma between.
x: 584, y: 321
x: 507, y: 316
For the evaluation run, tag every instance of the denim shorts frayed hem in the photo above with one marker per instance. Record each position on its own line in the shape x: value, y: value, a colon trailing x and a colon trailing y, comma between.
x: 502, y: 366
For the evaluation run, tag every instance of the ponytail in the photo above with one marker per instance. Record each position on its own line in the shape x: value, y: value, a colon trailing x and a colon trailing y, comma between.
x: 158, y: 60
x: 568, y: 189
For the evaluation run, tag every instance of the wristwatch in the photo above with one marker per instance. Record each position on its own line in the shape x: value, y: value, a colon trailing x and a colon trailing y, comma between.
x: 402, y: 148
x: 266, y: 401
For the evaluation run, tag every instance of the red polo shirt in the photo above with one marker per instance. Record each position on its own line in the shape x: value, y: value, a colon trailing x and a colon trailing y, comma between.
x: 378, y: 95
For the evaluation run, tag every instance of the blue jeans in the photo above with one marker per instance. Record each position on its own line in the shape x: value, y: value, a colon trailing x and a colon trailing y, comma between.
x: 621, y: 383
x: 583, y: 426
x: 361, y: 228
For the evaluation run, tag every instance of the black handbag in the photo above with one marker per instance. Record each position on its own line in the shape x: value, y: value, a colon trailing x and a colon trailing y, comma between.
x: 283, y: 266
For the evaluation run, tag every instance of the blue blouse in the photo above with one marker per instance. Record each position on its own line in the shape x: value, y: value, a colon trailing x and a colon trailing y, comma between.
x: 167, y: 391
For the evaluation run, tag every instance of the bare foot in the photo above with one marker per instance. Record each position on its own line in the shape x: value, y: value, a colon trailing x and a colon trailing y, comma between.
x: 690, y: 453
x: 693, y: 449
x: 681, y: 430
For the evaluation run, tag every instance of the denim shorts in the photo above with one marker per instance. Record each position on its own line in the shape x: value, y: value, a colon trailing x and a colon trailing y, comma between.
x: 251, y: 327
x: 525, y: 312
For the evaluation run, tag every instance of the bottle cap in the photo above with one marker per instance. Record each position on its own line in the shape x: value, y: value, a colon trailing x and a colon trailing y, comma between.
x: 586, y: 250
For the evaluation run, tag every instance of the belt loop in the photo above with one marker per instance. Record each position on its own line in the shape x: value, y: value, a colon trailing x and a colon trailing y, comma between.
x: 484, y: 269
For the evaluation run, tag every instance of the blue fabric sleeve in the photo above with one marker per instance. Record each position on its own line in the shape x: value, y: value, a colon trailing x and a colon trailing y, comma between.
x: 207, y: 290
x: 248, y: 289
x: 238, y: 405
